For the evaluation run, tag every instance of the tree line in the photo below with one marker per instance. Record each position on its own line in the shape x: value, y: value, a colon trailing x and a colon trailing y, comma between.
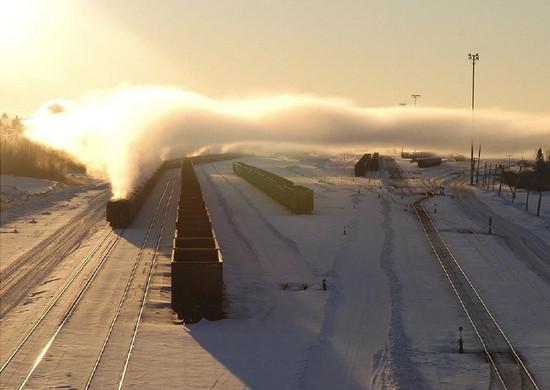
x: 535, y: 179
x: 22, y: 157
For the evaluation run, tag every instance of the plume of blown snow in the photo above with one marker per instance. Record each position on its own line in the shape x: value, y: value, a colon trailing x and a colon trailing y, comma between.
x: 123, y: 134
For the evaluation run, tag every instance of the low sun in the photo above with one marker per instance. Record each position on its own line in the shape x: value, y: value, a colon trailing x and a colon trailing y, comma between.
x: 22, y: 20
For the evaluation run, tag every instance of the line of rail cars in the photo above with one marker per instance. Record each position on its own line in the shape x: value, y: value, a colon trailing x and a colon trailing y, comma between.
x: 368, y: 162
x: 373, y: 164
x: 197, y: 263
x: 429, y: 162
x: 421, y: 155
x: 360, y: 168
x: 298, y: 199
x: 121, y: 212
x: 210, y: 158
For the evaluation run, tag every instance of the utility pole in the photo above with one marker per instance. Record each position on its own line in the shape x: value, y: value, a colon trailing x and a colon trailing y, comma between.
x: 500, y: 184
x: 472, y: 162
x: 473, y: 58
x: 509, y: 160
x: 494, y: 178
x: 415, y: 96
x: 478, y: 162
x: 485, y: 177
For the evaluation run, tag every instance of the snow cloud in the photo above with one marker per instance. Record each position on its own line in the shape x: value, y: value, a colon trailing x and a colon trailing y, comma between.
x: 124, y: 134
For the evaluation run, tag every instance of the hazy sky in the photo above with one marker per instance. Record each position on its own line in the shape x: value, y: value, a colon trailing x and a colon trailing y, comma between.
x: 374, y: 52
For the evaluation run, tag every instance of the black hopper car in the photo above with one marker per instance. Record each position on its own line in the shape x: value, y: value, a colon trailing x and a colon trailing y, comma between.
x: 197, y: 263
x: 121, y: 212
x: 360, y: 168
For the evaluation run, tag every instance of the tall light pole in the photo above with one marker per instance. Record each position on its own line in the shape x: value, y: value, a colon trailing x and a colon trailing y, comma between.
x: 473, y: 59
x: 415, y: 96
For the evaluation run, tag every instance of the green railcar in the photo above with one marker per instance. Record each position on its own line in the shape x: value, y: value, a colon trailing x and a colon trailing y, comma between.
x: 296, y: 198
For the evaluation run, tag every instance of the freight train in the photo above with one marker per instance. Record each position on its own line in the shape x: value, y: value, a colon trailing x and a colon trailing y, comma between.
x: 429, y: 162
x: 373, y: 164
x: 210, y: 158
x: 121, y: 212
x: 360, y: 168
x: 197, y: 263
x: 420, y: 155
x: 298, y: 199
x: 368, y: 162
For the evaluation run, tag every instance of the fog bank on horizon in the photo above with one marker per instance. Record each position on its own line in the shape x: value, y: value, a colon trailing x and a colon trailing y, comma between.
x: 123, y: 134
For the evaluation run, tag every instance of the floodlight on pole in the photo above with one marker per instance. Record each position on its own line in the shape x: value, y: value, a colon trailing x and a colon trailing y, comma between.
x: 473, y: 59
x: 415, y: 96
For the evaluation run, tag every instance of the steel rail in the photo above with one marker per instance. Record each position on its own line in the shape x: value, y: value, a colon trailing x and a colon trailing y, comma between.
x: 461, y: 301
x: 16, y: 265
x: 35, y: 264
x: 55, y: 300
x: 68, y: 313
x: 125, y: 293
x: 429, y: 226
x: 507, y: 340
x: 53, y: 243
x: 71, y: 309
x: 146, y: 292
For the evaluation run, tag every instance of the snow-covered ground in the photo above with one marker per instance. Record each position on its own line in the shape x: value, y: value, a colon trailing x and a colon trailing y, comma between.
x: 510, y: 267
x: 34, y: 209
x: 14, y: 187
x: 388, y: 319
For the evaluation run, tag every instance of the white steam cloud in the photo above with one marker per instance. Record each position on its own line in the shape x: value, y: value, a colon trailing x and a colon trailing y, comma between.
x: 124, y: 134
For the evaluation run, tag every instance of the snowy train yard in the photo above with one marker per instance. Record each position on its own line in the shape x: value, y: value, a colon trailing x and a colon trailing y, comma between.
x: 85, y: 306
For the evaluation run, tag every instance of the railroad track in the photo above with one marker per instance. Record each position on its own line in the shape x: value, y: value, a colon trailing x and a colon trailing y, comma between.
x: 59, y: 295
x: 27, y: 353
x: 507, y: 367
x: 24, y: 273
x: 143, y: 300
x: 145, y: 294
x: 24, y: 347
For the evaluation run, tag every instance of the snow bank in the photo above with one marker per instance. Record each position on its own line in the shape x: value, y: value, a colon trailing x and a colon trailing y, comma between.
x: 21, y: 186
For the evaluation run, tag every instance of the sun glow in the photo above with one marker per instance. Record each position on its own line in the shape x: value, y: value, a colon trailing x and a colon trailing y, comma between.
x: 23, y: 23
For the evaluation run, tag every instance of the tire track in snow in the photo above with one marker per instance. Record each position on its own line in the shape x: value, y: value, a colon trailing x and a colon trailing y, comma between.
x: 276, y: 232
x: 250, y: 250
x: 527, y: 247
x: 395, y: 367
x: 331, y: 305
x: 291, y: 244
x: 227, y: 210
